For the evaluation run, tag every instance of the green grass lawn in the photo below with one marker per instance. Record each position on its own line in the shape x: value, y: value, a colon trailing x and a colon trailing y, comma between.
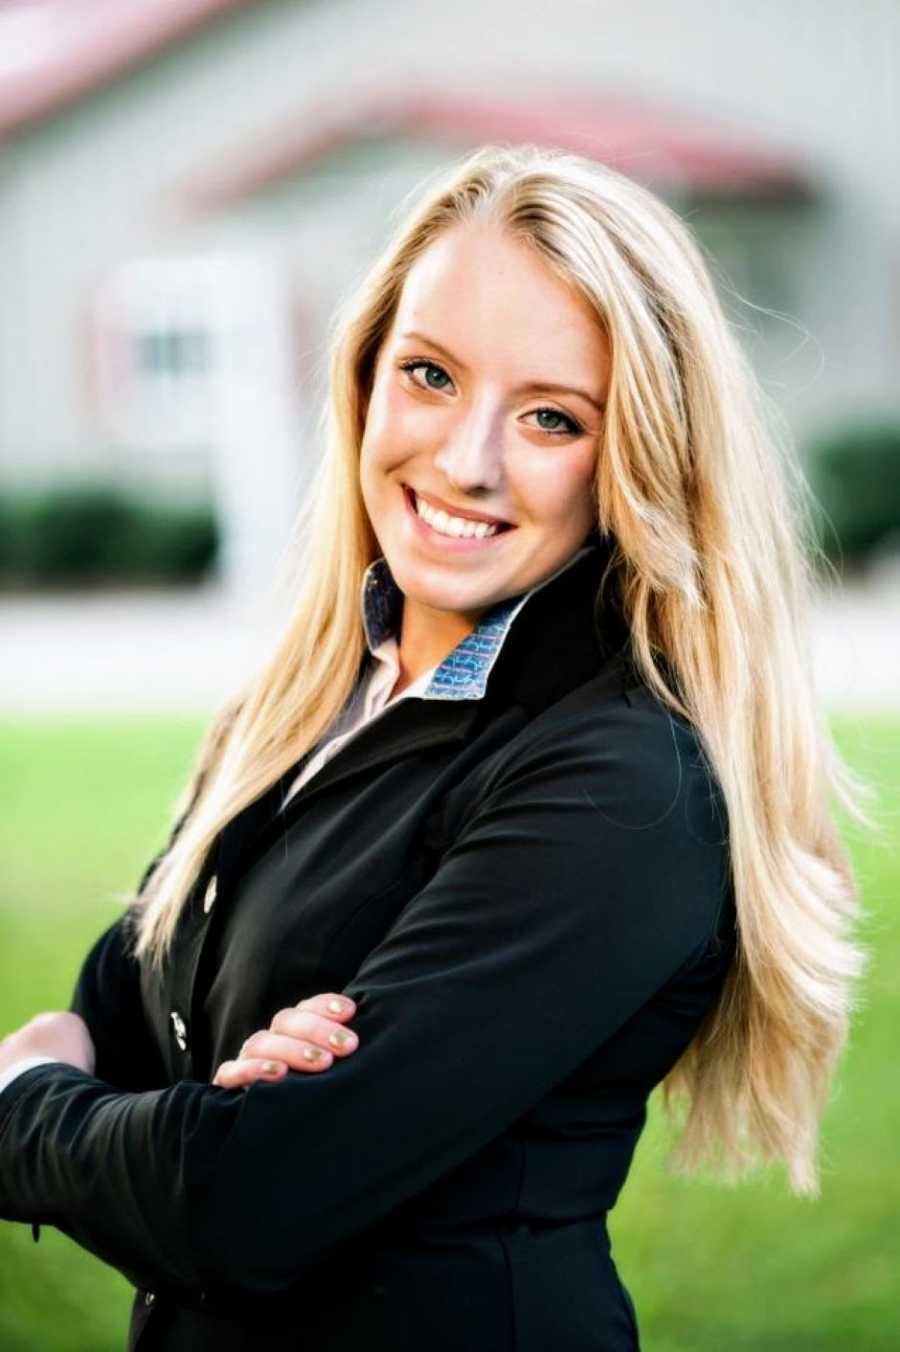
x: 712, y: 1269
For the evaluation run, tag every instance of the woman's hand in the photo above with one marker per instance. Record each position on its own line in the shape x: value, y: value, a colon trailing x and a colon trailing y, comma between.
x: 304, y: 1037
x: 59, y: 1034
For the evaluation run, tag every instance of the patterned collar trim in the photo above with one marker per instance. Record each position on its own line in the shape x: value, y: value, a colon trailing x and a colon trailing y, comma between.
x: 464, y: 672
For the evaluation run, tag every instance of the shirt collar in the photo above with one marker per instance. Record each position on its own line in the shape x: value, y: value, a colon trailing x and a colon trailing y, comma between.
x: 463, y: 674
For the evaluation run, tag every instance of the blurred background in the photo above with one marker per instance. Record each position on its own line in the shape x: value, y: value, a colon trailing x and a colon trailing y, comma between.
x: 188, y: 188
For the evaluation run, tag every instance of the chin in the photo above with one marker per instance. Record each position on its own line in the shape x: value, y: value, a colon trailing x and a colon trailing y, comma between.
x: 443, y: 596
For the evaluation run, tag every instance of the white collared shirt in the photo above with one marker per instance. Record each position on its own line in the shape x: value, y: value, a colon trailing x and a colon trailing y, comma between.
x: 371, y: 697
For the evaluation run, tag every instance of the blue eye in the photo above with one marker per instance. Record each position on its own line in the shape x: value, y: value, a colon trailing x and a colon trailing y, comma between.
x: 571, y: 428
x: 432, y: 366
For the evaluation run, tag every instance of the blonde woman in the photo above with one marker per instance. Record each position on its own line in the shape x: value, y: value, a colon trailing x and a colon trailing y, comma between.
x: 532, y: 795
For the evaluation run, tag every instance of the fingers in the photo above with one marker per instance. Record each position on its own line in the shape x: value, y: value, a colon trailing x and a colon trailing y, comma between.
x: 329, y: 1005
x: 240, y: 1074
x: 311, y: 1052
x: 305, y: 1036
x: 308, y: 1026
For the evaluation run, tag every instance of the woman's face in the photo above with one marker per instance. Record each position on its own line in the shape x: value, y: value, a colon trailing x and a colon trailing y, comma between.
x: 486, y: 404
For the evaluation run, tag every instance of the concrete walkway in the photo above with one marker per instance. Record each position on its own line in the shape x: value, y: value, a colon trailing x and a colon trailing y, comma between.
x: 184, y: 652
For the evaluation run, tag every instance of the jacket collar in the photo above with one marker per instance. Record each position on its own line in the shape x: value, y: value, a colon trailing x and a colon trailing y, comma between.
x: 567, y: 633
x: 464, y: 672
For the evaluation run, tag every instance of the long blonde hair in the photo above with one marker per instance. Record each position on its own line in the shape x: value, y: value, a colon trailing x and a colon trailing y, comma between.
x: 711, y: 523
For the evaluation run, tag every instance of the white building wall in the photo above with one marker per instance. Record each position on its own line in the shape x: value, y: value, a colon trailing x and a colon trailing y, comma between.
x: 90, y: 188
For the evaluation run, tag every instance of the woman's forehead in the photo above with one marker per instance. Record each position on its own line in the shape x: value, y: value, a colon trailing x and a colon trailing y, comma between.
x: 493, y: 304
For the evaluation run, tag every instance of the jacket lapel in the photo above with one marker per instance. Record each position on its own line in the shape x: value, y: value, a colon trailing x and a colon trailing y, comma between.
x: 561, y: 638
x: 565, y: 635
x: 411, y: 725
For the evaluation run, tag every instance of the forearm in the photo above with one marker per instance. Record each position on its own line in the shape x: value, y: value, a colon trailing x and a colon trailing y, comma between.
x: 107, y: 996
x: 105, y: 1167
x: 19, y: 1067
x: 501, y: 976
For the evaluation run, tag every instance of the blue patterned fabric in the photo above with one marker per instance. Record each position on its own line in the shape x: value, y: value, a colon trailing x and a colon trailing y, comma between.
x: 464, y: 672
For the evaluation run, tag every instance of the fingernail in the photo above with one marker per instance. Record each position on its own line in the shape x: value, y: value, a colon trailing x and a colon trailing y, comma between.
x: 314, y: 1053
x: 339, y: 1006
x: 342, y: 1039
x: 270, y: 1067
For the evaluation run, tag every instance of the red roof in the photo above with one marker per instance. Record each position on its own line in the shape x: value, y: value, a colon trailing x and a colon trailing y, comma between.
x: 55, y: 52
x: 662, y: 145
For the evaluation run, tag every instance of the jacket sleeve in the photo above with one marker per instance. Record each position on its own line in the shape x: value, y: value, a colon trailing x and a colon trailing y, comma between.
x: 589, y: 872
x: 107, y: 995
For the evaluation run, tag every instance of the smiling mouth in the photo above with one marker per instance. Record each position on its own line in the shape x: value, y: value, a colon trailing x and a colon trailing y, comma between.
x: 452, y: 525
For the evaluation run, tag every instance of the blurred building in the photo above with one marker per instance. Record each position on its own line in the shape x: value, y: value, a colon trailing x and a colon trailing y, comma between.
x: 188, y: 187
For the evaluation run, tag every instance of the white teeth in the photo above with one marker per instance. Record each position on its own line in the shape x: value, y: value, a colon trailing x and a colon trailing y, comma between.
x: 456, y: 526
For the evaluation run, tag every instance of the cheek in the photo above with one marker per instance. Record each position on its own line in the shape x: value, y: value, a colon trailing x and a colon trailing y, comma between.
x: 556, y: 486
x: 391, y: 430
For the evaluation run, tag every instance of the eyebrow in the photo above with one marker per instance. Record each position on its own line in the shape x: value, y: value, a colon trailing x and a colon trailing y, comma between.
x: 527, y: 387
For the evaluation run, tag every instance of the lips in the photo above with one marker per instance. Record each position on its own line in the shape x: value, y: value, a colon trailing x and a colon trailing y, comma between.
x: 438, y: 505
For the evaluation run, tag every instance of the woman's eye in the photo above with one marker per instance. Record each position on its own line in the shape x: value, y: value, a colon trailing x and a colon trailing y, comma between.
x: 571, y: 427
x: 430, y: 366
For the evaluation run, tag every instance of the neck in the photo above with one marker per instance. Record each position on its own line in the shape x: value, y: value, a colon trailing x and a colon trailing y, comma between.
x: 427, y: 636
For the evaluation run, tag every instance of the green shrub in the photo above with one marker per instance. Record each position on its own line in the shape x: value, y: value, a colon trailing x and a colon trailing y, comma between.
x: 96, y: 533
x: 855, y: 474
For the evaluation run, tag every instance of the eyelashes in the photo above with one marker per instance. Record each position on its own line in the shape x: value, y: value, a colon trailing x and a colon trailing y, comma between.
x: 572, y: 428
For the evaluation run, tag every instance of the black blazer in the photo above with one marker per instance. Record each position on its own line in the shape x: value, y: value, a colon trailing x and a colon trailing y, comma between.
x: 529, y: 897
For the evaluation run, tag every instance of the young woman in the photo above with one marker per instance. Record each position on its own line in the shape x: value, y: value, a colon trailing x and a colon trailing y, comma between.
x: 533, y: 790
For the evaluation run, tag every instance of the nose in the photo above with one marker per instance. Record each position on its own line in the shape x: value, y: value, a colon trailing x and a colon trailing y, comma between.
x: 471, y: 457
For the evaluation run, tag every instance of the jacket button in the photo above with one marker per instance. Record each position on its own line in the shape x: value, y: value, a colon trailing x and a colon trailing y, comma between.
x: 209, y: 896
x: 180, y: 1029
x: 149, y: 1298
